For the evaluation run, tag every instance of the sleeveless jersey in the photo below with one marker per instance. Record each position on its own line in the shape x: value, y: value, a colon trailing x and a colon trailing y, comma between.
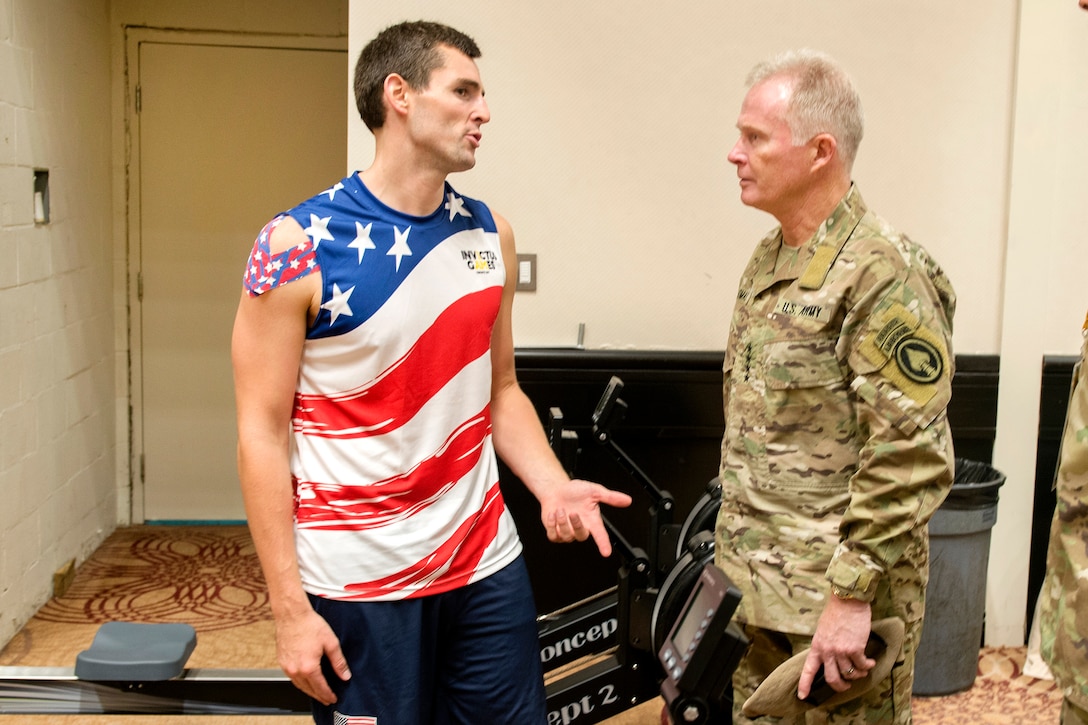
x: 396, y: 481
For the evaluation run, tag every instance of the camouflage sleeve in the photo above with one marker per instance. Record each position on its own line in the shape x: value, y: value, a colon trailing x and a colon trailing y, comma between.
x: 899, y: 354
x: 900, y: 483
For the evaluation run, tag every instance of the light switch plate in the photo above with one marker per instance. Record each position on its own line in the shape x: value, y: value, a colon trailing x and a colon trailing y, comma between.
x: 526, y: 273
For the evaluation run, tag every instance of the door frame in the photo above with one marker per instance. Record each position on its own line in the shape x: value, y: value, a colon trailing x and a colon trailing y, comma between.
x: 127, y: 283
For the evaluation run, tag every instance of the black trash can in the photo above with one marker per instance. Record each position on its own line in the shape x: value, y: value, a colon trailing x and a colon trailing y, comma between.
x: 959, y: 552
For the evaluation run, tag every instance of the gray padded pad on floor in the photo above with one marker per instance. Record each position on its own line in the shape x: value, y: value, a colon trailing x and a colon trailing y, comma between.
x: 137, y: 652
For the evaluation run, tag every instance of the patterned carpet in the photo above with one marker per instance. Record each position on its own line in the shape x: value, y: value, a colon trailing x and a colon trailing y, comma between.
x: 1002, y: 694
x: 208, y: 576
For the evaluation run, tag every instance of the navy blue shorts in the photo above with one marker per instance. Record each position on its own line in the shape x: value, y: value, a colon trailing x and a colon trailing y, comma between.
x: 471, y: 655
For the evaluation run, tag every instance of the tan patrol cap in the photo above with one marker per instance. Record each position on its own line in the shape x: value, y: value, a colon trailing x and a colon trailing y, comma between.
x: 777, y: 695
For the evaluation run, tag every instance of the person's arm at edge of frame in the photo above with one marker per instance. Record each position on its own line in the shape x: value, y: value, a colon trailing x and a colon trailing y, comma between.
x: 569, y: 509
x: 266, y: 346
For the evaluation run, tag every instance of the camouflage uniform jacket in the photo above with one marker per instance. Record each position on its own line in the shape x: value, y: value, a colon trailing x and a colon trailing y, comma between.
x: 836, y: 450
x: 1063, y: 622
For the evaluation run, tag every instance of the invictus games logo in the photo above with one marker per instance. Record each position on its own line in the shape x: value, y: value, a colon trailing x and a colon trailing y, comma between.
x: 919, y: 360
x: 483, y: 260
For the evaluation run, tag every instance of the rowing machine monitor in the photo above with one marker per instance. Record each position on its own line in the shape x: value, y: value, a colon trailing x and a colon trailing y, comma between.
x: 702, y: 650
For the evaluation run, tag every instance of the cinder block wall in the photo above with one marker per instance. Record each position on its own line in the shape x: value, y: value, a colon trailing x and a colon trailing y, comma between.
x: 57, y: 362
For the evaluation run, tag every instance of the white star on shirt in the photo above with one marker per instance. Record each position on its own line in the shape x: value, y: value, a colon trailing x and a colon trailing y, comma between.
x: 456, y: 205
x: 400, y: 246
x: 319, y: 229
x: 338, y: 305
x: 362, y: 239
x: 331, y: 191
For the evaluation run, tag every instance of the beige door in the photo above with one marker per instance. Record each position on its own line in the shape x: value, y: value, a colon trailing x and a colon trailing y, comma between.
x: 227, y: 137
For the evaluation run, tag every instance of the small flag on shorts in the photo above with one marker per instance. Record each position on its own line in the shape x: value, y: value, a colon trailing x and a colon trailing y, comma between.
x: 342, y: 719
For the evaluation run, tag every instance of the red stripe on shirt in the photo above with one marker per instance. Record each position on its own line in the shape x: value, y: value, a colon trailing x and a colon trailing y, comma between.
x: 394, y: 396
x: 459, y: 555
x: 339, y: 507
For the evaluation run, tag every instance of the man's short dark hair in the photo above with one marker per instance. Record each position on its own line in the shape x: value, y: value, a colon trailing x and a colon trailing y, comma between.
x: 409, y: 49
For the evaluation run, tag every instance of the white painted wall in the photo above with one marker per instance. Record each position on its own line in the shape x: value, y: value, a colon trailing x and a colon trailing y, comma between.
x: 612, y: 120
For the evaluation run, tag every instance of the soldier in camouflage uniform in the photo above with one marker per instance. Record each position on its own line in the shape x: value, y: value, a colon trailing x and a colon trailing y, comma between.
x: 837, y: 374
x: 1063, y: 622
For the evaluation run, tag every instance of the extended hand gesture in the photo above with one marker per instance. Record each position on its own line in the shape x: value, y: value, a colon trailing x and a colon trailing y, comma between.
x: 572, y: 512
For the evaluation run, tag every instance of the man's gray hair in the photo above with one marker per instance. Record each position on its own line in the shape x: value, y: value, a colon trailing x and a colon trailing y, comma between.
x: 823, y: 98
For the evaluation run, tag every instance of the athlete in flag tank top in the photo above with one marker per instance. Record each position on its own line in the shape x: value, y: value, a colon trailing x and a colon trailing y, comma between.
x: 396, y: 483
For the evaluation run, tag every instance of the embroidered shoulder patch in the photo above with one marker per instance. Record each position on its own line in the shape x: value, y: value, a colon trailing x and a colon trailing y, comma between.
x: 892, y: 333
x: 918, y: 353
x: 919, y: 360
